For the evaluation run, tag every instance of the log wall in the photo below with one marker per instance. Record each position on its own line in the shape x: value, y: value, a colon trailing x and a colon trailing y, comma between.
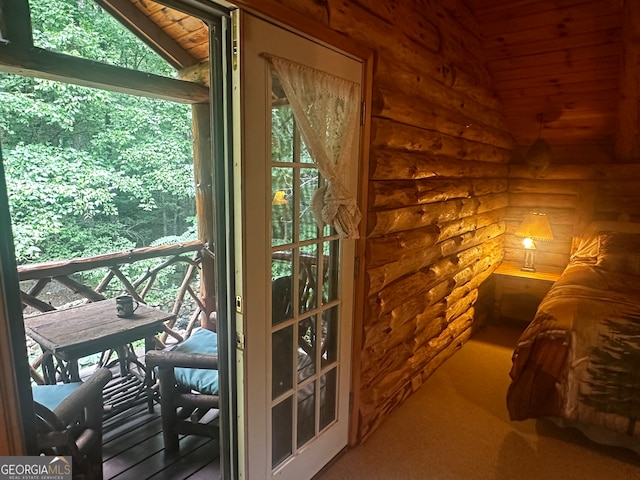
x: 571, y: 194
x: 438, y: 183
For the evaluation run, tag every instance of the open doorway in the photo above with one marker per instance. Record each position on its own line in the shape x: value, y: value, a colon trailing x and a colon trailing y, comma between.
x: 283, y: 242
x: 88, y: 185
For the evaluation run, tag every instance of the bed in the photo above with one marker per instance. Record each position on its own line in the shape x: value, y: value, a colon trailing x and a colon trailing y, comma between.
x: 578, y: 361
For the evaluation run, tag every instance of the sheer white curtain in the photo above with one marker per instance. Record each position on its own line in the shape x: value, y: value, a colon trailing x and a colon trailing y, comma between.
x: 326, y: 110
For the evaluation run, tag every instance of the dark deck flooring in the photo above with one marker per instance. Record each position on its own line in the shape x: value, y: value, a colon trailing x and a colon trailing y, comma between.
x: 133, y: 450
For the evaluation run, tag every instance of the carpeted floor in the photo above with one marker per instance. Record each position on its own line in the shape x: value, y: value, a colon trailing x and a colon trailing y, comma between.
x: 456, y: 427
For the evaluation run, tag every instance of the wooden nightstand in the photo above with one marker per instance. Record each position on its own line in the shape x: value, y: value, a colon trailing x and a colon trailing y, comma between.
x: 518, y: 293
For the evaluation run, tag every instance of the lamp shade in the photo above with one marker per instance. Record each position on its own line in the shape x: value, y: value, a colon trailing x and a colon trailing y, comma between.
x: 536, y: 227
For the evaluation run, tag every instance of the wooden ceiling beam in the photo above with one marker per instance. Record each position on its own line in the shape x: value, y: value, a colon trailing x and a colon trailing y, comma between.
x: 628, y: 131
x: 150, y: 33
x: 37, y: 62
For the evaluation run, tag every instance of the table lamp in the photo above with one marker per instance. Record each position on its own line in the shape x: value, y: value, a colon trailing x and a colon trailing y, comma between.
x: 535, y: 226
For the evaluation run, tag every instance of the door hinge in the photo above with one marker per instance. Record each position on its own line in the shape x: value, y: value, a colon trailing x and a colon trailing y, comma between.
x: 363, y: 113
x: 234, y: 39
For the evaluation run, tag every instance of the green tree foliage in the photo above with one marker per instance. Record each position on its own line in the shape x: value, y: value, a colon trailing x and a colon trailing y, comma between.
x: 90, y: 171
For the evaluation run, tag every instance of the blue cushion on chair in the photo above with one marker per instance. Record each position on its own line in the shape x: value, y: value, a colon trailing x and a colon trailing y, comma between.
x: 201, y: 380
x: 52, y: 395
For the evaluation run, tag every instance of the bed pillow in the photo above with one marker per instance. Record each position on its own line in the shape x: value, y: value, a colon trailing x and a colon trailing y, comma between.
x: 619, y: 252
x: 588, y: 246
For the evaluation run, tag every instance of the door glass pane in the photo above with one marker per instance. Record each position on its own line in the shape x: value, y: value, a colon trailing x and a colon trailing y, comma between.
x: 281, y: 431
x: 329, y: 343
x: 281, y: 206
x: 281, y: 295
x: 305, y: 156
x: 283, y: 125
x: 308, y: 294
x: 328, y: 398
x: 330, y: 259
x: 282, y: 361
x: 309, y: 181
x: 306, y: 413
x: 306, y: 348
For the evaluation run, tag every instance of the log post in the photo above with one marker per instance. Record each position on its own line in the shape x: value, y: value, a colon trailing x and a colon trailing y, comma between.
x: 203, y: 176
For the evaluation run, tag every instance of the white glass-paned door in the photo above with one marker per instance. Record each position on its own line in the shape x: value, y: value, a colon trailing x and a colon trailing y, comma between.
x: 296, y: 278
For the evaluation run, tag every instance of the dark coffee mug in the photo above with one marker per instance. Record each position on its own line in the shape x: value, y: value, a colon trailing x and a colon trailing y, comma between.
x: 124, y: 305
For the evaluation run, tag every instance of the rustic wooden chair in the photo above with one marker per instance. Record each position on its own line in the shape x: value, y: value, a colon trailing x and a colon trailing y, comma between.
x: 69, y: 422
x: 188, y: 382
x: 188, y: 378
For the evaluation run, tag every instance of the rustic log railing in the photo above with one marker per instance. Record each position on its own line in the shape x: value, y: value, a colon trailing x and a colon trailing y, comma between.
x: 167, y: 255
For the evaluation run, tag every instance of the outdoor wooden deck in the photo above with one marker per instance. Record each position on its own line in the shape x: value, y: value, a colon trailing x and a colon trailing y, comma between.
x: 133, y: 450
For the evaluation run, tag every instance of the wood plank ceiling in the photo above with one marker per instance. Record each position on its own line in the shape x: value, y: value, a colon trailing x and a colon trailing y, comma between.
x: 555, y: 64
x: 556, y: 67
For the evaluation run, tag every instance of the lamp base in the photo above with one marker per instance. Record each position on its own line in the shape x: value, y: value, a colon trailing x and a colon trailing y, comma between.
x: 528, y: 260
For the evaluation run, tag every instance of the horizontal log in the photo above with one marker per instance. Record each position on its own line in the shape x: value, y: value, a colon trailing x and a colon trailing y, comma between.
x: 402, y: 193
x: 458, y: 293
x: 395, y: 165
x: 431, y: 318
x: 385, y: 377
x: 384, y: 274
x: 379, y: 342
x: 389, y: 103
x: 461, y: 226
x: 445, y: 354
x: 438, y: 18
x: 372, y: 414
x: 311, y: 10
x: 381, y: 276
x: 598, y: 172
x: 412, y: 80
x: 535, y: 201
x: 392, y: 42
x: 434, y: 328
x: 415, y: 284
x: 544, y: 187
x: 394, y: 247
x: 407, y: 218
x: 36, y: 62
x: 414, y: 311
x: 463, y: 305
x: 483, y: 236
x: 382, y: 373
x: 390, y: 135
x: 419, y: 27
x: 624, y: 203
x: 35, y: 271
x: 434, y: 346
x: 490, y: 253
